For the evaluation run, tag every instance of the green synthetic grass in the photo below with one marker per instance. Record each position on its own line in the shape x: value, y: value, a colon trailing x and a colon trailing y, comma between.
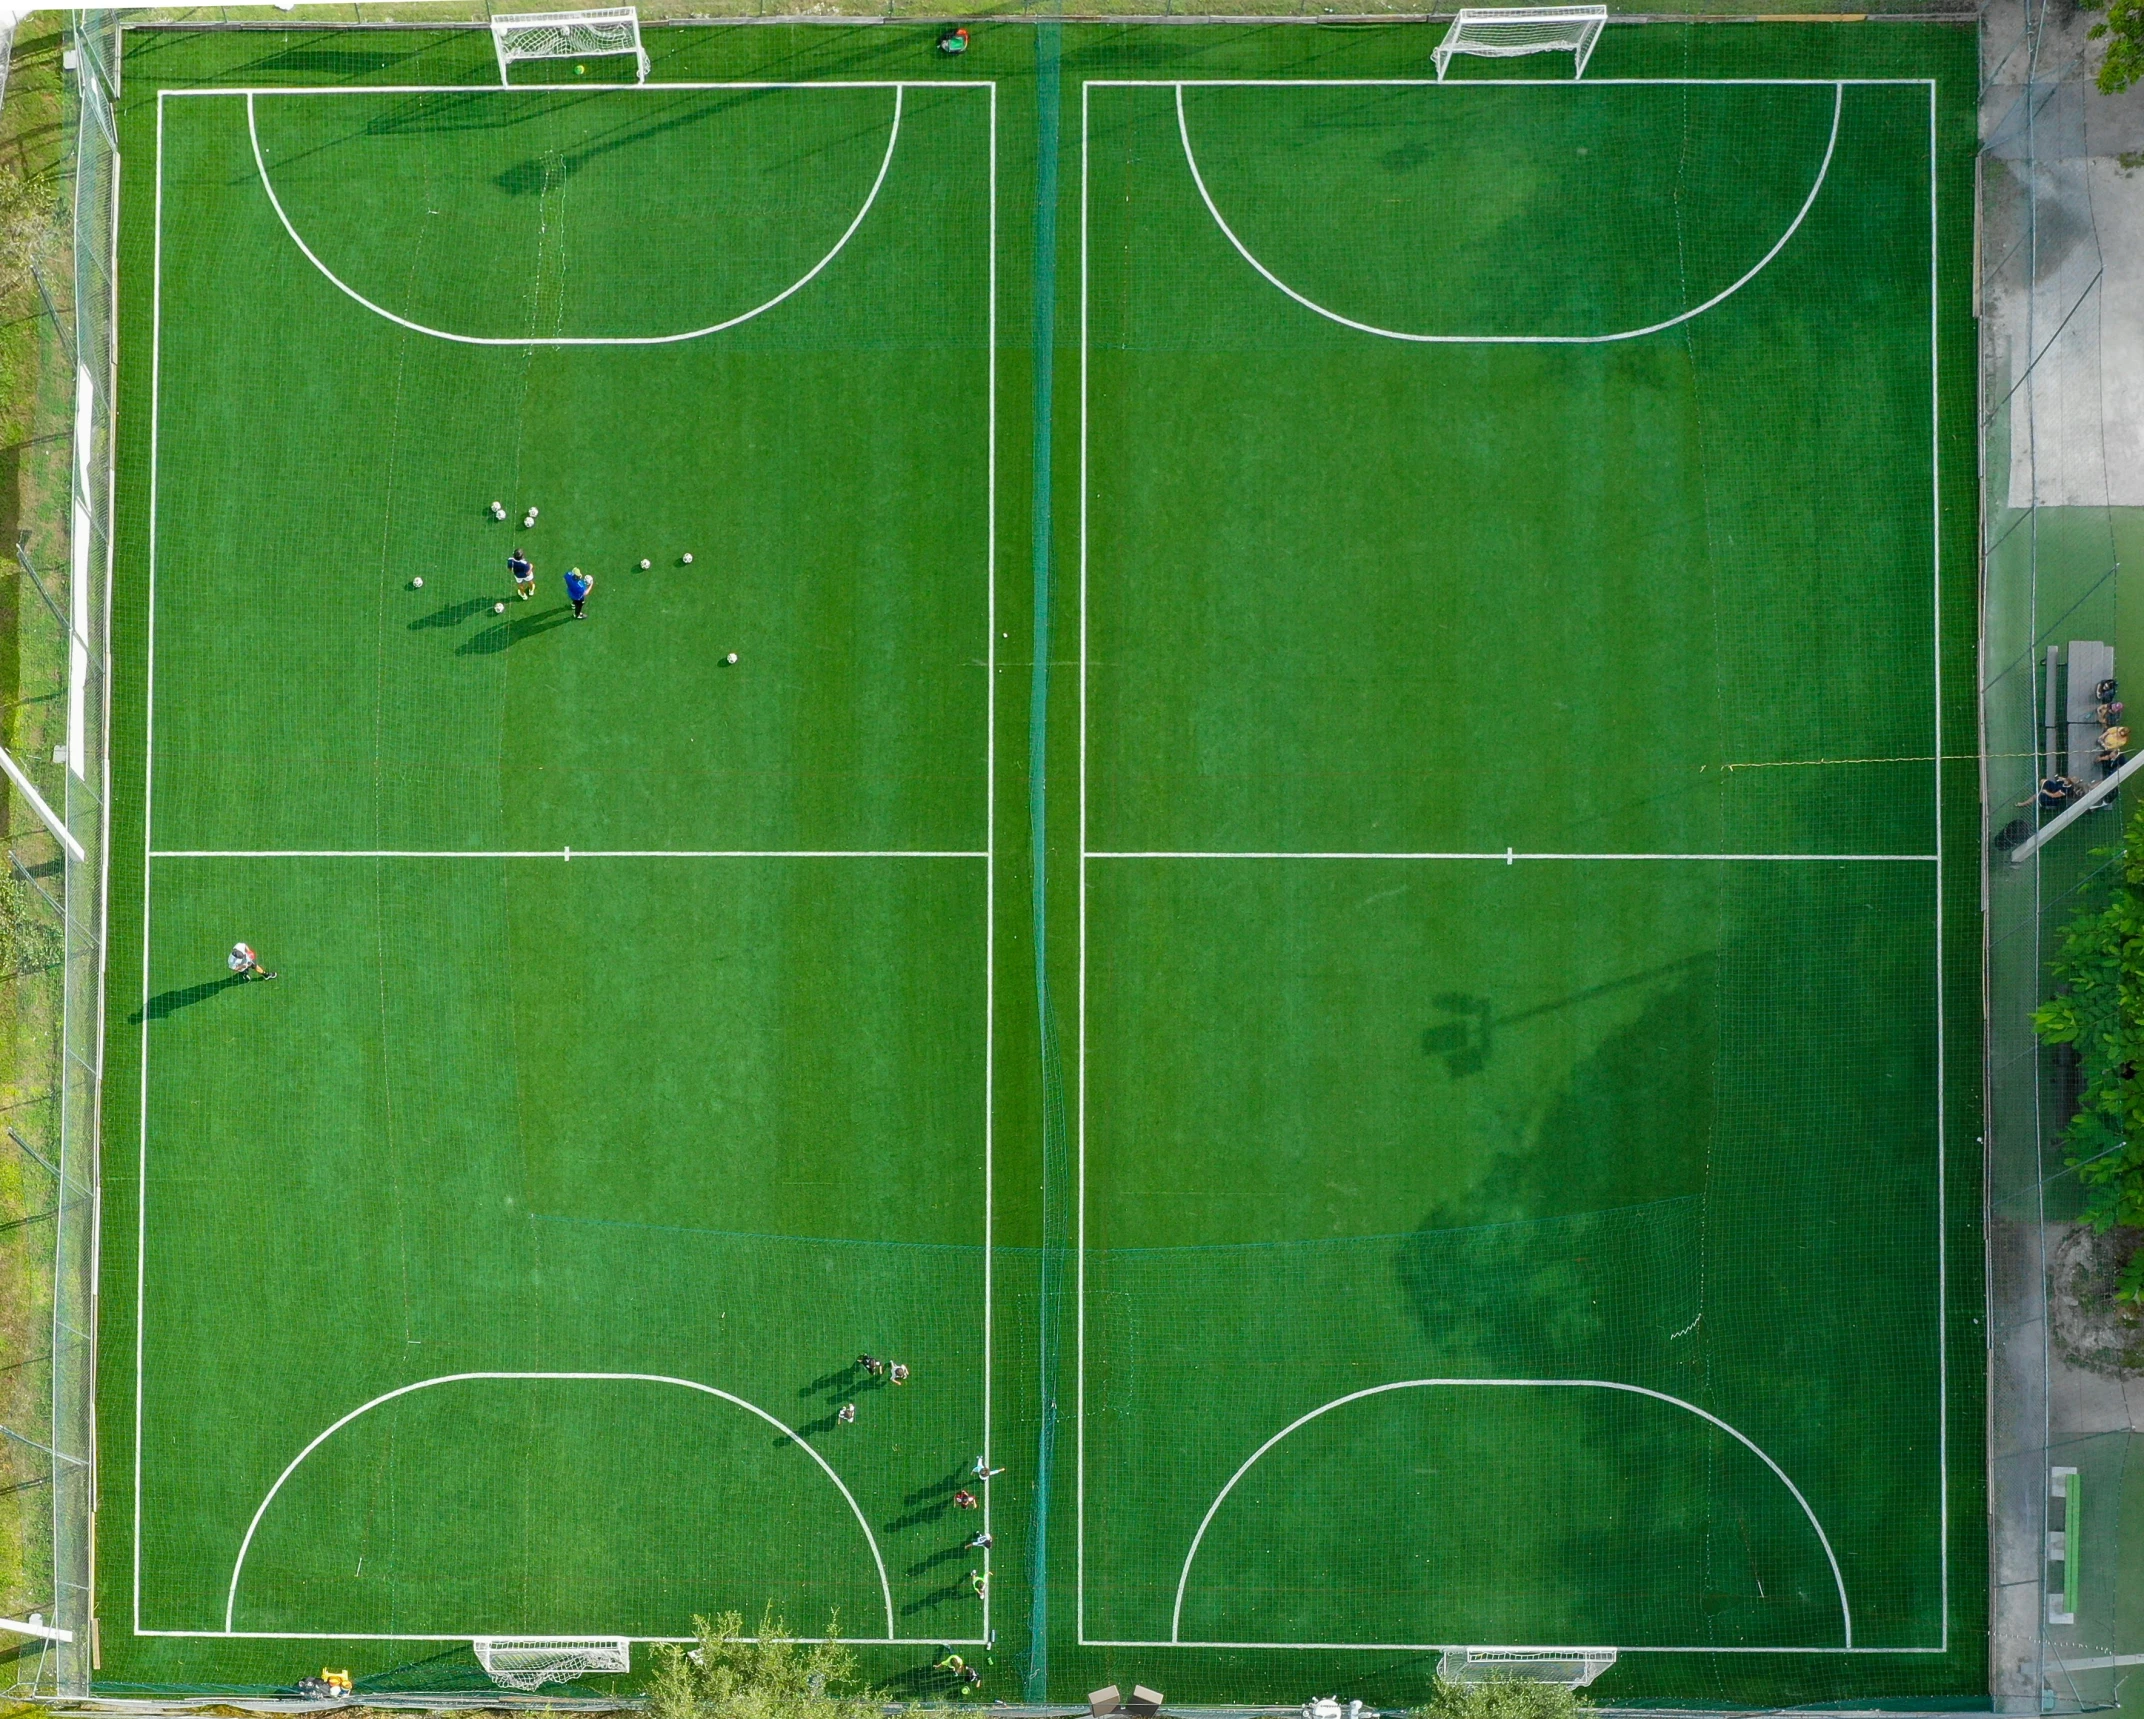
x: 1461, y: 1245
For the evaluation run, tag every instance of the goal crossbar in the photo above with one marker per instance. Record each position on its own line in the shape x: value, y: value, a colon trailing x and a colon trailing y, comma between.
x: 528, y: 1662
x: 1498, y: 32
x: 568, y: 36
x: 1573, y: 1667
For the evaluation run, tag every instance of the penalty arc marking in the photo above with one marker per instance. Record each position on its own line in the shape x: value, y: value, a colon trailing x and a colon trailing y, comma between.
x: 1176, y: 1618
x: 238, y: 1568
x: 1183, y: 127
x: 260, y: 161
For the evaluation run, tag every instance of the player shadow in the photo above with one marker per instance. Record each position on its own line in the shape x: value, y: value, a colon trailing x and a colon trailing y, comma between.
x: 492, y: 640
x: 838, y: 1380
x: 171, y: 1002
x: 944, y: 1555
x: 453, y: 615
x: 935, y: 1598
x: 919, y: 1516
x: 945, y: 1488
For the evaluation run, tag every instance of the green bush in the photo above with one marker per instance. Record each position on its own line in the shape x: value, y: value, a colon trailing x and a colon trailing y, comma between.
x: 771, y: 1677
x: 1504, y: 1698
x: 2098, y: 1010
x: 2123, y: 32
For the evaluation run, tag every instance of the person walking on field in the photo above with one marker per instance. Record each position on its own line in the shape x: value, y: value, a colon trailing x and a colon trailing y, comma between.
x: 246, y: 964
x: 578, y: 585
x: 524, y: 575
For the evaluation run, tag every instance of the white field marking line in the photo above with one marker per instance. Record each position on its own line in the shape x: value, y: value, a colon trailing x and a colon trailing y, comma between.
x: 893, y: 137
x: 470, y: 1635
x: 1514, y: 1647
x: 990, y: 837
x: 1183, y: 127
x: 632, y: 89
x: 1506, y: 856
x: 871, y: 1540
x: 1476, y: 83
x: 1080, y: 1399
x: 572, y: 853
x: 1079, y: 1292
x: 1845, y: 1611
x: 150, y: 854
x: 1935, y: 546
x: 148, y: 796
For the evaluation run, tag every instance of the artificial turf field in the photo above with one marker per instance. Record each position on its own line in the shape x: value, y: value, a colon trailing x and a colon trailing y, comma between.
x: 1336, y: 887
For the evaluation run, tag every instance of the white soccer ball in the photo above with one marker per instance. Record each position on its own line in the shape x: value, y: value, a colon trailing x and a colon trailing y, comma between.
x: 417, y: 584
x: 688, y: 560
x: 645, y: 563
x: 498, y: 608
x: 532, y: 513
x: 732, y: 657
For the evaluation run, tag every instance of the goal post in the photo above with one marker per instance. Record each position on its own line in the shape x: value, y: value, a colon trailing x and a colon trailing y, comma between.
x: 1572, y: 1667
x: 1499, y: 32
x: 528, y: 1662
x: 567, y: 36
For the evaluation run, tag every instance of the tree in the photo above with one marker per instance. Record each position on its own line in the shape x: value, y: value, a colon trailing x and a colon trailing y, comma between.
x: 1505, y: 1698
x: 773, y: 1676
x: 2123, y: 30
x: 2099, y: 1011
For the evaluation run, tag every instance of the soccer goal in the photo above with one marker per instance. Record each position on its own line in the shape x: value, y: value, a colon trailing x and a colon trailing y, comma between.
x: 531, y: 1661
x: 1498, y: 32
x: 568, y: 36
x: 1573, y: 1667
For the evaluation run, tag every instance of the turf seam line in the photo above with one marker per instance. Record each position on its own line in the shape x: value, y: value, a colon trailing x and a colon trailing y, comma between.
x: 1042, y: 337
x: 1823, y: 172
x: 893, y: 138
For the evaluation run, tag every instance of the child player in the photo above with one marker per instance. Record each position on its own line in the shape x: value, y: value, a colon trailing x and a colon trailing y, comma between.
x: 524, y: 575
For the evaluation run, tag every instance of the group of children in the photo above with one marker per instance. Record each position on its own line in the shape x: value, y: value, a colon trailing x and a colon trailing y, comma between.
x: 896, y: 1373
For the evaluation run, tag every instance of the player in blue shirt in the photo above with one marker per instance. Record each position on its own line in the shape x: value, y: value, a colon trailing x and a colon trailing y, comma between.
x: 524, y: 575
x: 578, y: 585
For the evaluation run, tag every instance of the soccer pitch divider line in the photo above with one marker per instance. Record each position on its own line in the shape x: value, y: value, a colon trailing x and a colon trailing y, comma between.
x: 1511, y: 856
x: 987, y: 853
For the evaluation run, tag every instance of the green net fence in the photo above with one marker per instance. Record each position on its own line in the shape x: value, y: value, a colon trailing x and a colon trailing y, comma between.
x: 2057, y: 516
x: 52, y: 893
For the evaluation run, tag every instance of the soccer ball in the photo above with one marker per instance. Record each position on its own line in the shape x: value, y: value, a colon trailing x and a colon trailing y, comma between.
x: 688, y: 560
x: 498, y: 608
x: 498, y: 511
x: 417, y: 584
x: 645, y: 563
x: 732, y: 657
x: 532, y: 513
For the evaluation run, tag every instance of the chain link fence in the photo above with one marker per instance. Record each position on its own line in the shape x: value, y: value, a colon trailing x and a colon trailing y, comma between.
x: 52, y: 892
x: 2057, y: 219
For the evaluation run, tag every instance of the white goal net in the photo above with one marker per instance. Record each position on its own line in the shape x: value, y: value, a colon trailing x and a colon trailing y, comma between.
x: 531, y: 1661
x: 567, y: 36
x: 1498, y: 32
x: 1573, y: 1667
